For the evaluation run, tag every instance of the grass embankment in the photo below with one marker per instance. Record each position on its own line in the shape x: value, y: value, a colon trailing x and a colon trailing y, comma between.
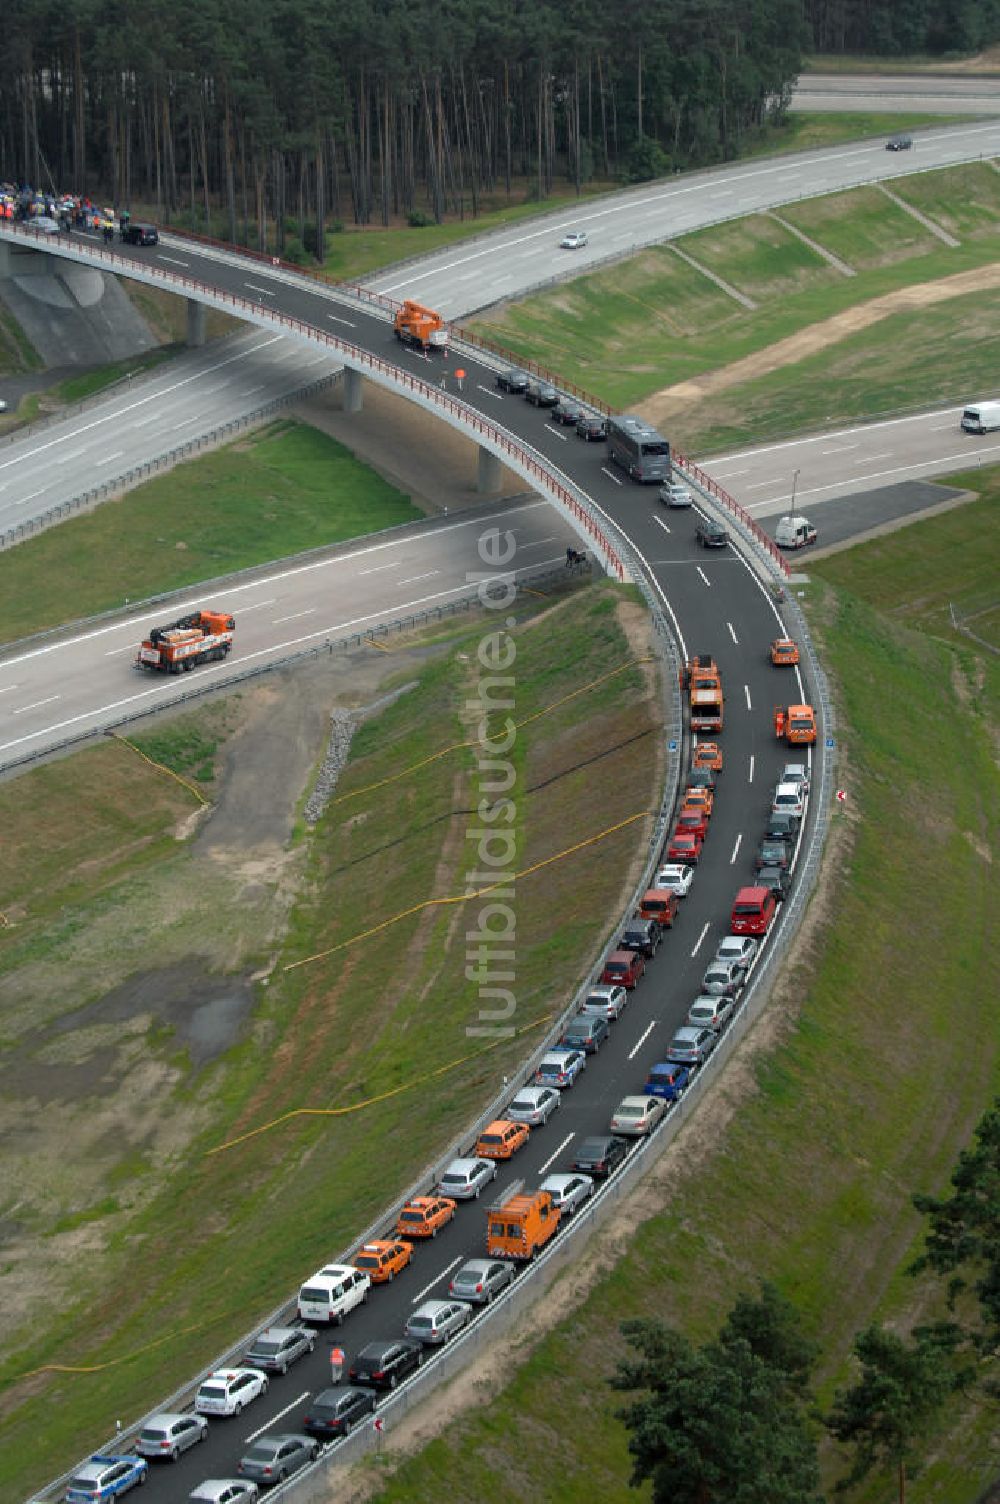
x: 888, y: 1054
x: 654, y: 321
x: 219, y: 1239
x: 285, y: 488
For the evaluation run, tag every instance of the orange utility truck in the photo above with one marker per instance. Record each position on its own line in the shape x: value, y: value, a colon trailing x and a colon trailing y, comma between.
x: 521, y: 1224
x: 420, y: 328
x: 202, y: 637
x: 796, y: 724
x: 702, y: 678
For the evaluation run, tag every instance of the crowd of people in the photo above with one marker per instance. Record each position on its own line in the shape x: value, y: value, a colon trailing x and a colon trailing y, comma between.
x: 55, y: 212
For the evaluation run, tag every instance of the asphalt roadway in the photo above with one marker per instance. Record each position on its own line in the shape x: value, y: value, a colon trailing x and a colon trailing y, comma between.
x: 890, y: 93
x: 39, y: 471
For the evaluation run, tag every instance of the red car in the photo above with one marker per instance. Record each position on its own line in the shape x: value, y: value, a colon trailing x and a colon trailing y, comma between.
x: 684, y: 847
x: 693, y: 820
x: 623, y: 968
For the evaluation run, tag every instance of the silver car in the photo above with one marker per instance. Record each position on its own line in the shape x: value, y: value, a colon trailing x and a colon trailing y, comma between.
x: 224, y: 1491
x: 465, y: 1178
x: 711, y: 1012
x: 272, y: 1459
x: 277, y: 1348
x: 691, y: 1046
x: 637, y: 1116
x: 609, y: 1002
x: 796, y: 772
x: 437, y: 1321
x: 568, y: 1191
x: 168, y: 1435
x: 724, y: 977
x: 479, y: 1280
x: 738, y: 948
x: 533, y: 1105
x: 674, y: 494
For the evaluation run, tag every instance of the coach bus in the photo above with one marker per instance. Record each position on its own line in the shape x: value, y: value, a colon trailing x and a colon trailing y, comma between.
x: 639, y: 449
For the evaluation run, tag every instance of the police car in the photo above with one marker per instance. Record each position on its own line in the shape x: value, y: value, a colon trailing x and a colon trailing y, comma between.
x: 105, y: 1477
x: 229, y: 1390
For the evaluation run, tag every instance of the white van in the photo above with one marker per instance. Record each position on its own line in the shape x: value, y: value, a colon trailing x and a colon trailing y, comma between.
x: 332, y: 1292
x: 981, y: 417
x: 794, y: 532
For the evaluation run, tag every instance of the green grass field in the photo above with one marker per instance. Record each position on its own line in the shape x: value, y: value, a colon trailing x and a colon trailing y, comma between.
x: 215, y: 1249
x: 888, y: 1053
x: 282, y: 489
x: 629, y: 331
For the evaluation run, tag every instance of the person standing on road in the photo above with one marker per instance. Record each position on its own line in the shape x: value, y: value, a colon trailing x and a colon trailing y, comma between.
x: 337, y: 1361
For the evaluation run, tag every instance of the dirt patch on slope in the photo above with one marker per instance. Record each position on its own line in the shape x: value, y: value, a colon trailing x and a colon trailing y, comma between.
x: 805, y: 342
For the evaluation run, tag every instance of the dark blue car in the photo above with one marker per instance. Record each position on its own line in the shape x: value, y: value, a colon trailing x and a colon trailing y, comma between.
x: 668, y: 1080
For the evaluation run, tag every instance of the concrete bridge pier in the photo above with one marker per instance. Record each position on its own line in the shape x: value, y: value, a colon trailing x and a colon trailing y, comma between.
x: 353, y: 389
x: 488, y: 479
x: 195, y: 323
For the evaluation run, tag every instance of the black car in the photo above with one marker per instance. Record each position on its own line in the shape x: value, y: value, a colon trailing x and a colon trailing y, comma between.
x: 381, y: 1365
x: 641, y: 934
x: 899, y: 143
x: 782, y: 828
x: 710, y: 535
x: 599, y: 1156
x: 140, y: 235
x: 592, y: 428
x: 701, y: 778
x: 335, y: 1412
x: 512, y: 380
x: 541, y: 394
x: 587, y: 1032
x: 568, y: 413
x: 775, y: 878
x: 776, y: 853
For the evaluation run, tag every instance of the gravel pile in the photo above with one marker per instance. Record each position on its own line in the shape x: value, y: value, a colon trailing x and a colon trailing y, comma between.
x: 341, y: 731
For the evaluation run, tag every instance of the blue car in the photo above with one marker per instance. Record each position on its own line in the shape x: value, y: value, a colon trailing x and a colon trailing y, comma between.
x: 104, y: 1478
x: 668, y: 1080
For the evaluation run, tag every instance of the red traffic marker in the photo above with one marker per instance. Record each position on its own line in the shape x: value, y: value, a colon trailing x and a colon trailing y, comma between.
x: 841, y: 796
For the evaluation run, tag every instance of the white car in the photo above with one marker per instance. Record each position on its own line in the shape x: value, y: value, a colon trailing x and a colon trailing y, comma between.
x: 574, y: 241
x: 636, y: 1116
x: 229, y: 1390
x: 676, y: 877
x: 789, y: 799
x: 465, y: 1178
x: 796, y: 772
x: 332, y: 1291
x: 740, y: 949
x: 609, y: 1002
x: 533, y: 1105
x: 568, y: 1191
x: 224, y: 1491
x: 3, y: 405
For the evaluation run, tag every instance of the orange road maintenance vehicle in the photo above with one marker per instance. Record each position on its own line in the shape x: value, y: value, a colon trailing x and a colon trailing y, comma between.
x: 202, y: 637
x: 784, y: 653
x: 420, y: 328
x: 701, y: 678
x: 707, y: 755
x: 796, y: 724
x: 522, y: 1223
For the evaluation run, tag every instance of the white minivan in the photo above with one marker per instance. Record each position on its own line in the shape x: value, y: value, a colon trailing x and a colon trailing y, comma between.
x: 981, y: 417
x: 332, y: 1292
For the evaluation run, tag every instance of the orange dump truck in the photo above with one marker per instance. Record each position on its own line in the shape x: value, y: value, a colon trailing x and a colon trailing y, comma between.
x: 202, y: 637
x: 420, y: 328
x: 521, y: 1224
x: 796, y: 724
x: 702, y: 679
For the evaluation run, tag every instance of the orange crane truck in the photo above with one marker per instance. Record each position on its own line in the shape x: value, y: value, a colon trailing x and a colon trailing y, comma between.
x: 202, y: 637
x: 420, y: 328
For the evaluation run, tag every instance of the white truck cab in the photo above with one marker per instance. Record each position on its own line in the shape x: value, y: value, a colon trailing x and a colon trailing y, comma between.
x: 981, y: 417
x: 794, y: 532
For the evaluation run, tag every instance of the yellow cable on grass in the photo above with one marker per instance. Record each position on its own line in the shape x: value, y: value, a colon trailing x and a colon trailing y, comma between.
x: 160, y: 767
x: 114, y: 1362
x: 430, y: 903
x: 339, y: 1112
x: 458, y: 746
